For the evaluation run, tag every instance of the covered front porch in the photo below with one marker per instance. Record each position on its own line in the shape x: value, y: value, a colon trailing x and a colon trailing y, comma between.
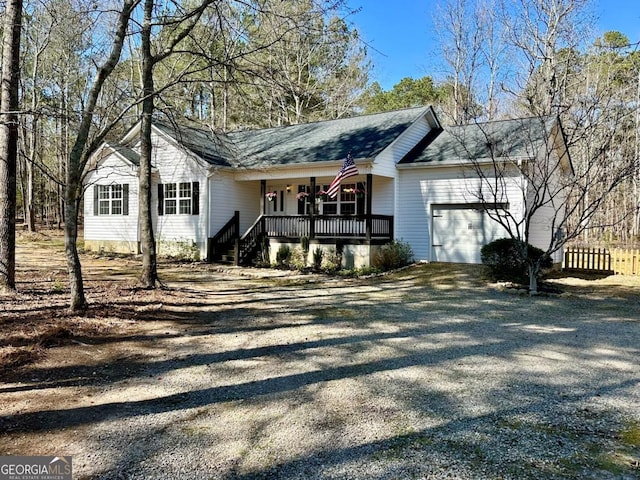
x: 293, y: 210
x: 337, y: 231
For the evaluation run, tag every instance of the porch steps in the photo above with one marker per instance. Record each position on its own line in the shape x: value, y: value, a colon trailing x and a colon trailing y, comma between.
x: 227, y: 257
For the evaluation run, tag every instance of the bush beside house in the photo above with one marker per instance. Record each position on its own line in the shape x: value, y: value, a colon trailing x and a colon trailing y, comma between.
x: 506, y: 262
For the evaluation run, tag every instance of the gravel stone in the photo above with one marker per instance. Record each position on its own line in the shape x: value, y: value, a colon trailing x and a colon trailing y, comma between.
x: 393, y: 377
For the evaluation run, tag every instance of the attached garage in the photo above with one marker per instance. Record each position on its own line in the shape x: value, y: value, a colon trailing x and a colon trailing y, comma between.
x: 460, y: 231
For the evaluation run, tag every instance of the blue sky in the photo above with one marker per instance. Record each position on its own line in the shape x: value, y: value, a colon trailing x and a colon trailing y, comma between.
x: 401, y: 37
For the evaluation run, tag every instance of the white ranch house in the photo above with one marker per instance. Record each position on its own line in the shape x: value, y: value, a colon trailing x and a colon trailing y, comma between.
x: 215, y: 192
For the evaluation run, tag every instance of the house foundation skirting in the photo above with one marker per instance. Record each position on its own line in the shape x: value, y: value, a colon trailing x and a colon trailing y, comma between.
x: 181, y: 249
x: 112, y: 246
x: 354, y: 253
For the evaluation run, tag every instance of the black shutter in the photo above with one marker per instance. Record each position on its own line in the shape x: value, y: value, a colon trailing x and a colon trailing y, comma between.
x: 160, y: 199
x: 125, y: 199
x: 195, y: 198
x: 301, y: 203
x: 361, y: 202
x: 95, y: 200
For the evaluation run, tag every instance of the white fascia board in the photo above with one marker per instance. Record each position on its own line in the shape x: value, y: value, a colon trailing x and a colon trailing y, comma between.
x: 132, y: 134
x: 463, y: 163
x: 432, y: 118
x: 296, y: 171
x: 426, y: 116
x: 102, y: 152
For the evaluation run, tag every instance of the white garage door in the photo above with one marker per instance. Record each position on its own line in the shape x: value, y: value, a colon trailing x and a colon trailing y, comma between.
x: 460, y: 232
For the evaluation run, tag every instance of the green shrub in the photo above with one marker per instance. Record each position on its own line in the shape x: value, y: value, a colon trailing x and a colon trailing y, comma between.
x: 318, y: 254
x: 299, y: 258
x: 505, y: 262
x: 304, y: 243
x: 283, y: 256
x: 331, y: 261
x: 393, y: 255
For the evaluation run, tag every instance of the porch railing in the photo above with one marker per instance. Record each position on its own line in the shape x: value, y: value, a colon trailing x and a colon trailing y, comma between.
x: 251, y: 242
x: 379, y: 227
x: 338, y: 226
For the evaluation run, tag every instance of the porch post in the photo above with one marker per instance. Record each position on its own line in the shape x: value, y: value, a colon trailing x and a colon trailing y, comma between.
x: 368, y: 196
x: 263, y: 192
x: 312, y: 207
x: 236, y: 241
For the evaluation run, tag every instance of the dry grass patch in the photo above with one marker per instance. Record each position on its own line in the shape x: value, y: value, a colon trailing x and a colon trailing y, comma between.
x: 626, y: 287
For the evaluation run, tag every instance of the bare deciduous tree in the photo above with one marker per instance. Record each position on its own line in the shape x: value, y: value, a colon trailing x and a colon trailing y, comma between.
x: 82, y: 149
x: 524, y: 179
x: 553, y: 73
x: 9, y: 105
x: 461, y: 39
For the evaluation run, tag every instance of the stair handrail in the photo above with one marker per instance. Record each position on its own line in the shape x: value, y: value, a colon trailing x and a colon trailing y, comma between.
x: 226, y: 236
x: 249, y: 241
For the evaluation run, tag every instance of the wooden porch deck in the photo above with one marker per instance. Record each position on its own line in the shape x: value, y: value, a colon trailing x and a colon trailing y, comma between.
x: 346, y: 228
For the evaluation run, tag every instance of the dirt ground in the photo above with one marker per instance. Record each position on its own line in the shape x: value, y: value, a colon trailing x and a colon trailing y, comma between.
x: 35, y: 321
x: 125, y: 348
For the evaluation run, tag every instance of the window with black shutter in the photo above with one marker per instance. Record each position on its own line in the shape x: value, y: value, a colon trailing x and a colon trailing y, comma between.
x: 111, y: 199
x: 182, y: 198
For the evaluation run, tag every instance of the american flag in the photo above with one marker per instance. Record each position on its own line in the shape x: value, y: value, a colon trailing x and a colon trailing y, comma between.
x: 348, y: 170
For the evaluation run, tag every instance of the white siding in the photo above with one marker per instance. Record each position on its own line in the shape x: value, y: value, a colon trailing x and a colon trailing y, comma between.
x: 421, y: 189
x: 174, y: 166
x: 385, y: 163
x: 119, y: 228
x: 382, y: 202
x: 540, y: 230
x: 227, y: 196
x: 544, y: 222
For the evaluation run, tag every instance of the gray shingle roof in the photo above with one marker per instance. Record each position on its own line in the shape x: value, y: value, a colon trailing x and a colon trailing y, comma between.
x: 364, y: 136
x: 521, y: 137
x: 127, y: 153
x: 214, y: 148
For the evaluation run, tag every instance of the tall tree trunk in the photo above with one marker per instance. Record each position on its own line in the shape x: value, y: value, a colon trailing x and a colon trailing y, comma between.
x: 533, y: 279
x: 30, y: 212
x: 71, y: 206
x: 63, y: 154
x: 9, y: 141
x: 149, y: 275
x: 79, y: 155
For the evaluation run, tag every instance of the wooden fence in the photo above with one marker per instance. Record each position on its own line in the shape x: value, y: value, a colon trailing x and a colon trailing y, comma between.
x: 619, y: 261
x: 625, y: 261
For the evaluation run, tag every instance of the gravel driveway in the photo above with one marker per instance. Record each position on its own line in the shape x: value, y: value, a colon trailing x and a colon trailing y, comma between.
x: 426, y: 373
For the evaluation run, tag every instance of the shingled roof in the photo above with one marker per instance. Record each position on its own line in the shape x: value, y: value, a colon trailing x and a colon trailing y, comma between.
x: 128, y: 153
x: 516, y: 138
x: 215, y: 148
x: 364, y: 136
